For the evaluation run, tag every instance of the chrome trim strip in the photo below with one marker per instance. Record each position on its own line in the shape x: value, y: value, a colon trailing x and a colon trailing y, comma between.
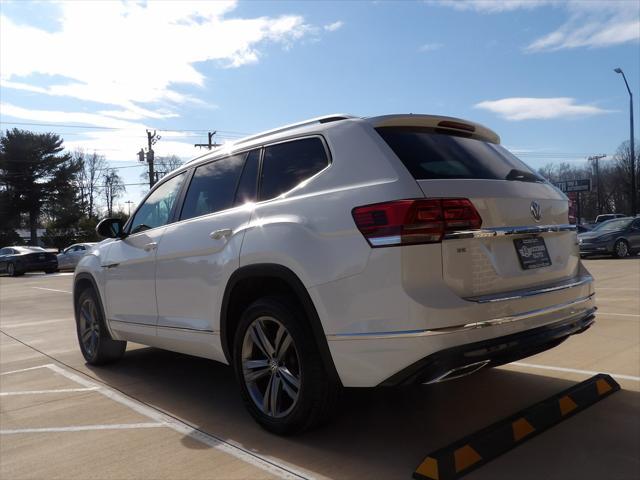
x: 502, y: 231
x: 588, y: 310
x: 384, y: 241
x: 182, y: 329
x: 523, y: 293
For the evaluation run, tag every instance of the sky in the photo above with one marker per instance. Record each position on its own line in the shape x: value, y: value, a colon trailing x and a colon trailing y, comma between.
x: 100, y: 73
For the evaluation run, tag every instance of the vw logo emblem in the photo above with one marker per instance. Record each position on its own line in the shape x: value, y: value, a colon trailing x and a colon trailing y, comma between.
x: 536, y: 212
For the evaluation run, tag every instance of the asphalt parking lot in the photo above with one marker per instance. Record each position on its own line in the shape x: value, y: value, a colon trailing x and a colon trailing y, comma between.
x: 158, y: 414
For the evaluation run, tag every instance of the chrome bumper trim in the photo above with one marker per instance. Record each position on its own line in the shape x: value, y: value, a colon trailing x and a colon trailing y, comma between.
x: 523, y: 293
x: 576, y: 311
x: 502, y: 231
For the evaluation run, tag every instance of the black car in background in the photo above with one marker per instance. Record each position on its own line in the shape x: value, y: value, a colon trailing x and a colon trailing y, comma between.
x: 619, y: 237
x: 19, y: 260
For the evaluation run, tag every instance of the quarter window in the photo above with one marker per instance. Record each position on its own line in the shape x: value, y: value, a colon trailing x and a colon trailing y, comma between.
x: 213, y: 187
x: 156, y: 210
x: 249, y: 180
x: 286, y: 165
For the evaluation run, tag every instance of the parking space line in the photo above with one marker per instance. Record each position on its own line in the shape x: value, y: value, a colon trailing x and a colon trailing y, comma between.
x: 24, y: 369
x: 52, y: 290
x: 223, y: 445
x: 83, y: 428
x: 31, y: 324
x: 572, y: 370
x: 620, y: 314
x: 43, y: 392
x: 617, y: 288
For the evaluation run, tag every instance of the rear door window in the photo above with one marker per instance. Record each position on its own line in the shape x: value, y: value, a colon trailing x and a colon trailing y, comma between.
x: 213, y: 187
x: 286, y: 165
x: 430, y: 155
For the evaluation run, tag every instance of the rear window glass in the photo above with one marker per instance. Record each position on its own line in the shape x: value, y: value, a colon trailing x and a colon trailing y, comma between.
x: 430, y: 155
x: 286, y: 165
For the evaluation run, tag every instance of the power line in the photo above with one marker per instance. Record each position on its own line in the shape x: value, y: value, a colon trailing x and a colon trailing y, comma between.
x: 197, y: 130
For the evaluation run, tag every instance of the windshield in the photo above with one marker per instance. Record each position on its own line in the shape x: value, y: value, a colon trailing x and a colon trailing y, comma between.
x: 428, y: 154
x: 610, y: 225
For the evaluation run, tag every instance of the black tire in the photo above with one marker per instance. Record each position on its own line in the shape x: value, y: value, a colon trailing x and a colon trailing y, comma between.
x: 317, y: 394
x: 621, y: 249
x: 96, y: 344
x: 12, y: 271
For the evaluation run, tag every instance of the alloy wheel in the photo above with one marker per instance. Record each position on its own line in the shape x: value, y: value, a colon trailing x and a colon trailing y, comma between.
x: 271, y: 367
x: 621, y: 249
x: 11, y: 270
x: 89, y: 326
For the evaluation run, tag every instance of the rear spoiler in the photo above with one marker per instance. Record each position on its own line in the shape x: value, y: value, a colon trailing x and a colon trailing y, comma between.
x: 444, y: 124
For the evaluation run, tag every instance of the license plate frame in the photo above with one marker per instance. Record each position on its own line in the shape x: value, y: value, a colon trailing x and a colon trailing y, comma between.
x: 532, y: 253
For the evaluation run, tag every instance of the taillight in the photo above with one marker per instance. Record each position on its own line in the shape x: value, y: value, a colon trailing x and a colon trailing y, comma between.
x: 410, y: 222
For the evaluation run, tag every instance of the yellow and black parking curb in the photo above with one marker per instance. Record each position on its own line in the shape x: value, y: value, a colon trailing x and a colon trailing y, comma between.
x: 479, y: 448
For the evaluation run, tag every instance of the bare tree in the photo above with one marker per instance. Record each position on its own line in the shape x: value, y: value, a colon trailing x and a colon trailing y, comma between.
x: 621, y: 173
x: 94, y: 166
x: 113, y: 188
x: 163, y: 165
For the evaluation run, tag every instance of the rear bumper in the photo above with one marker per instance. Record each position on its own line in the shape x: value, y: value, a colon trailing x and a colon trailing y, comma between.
x: 400, y: 357
x: 496, y: 351
x: 37, y: 266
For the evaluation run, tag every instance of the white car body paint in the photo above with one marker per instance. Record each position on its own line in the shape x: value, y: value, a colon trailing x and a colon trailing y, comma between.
x: 381, y: 309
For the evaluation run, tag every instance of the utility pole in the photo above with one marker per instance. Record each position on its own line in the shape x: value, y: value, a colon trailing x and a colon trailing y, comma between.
x: 595, y: 159
x: 209, y: 145
x: 634, y: 208
x: 129, y: 202
x: 151, y: 140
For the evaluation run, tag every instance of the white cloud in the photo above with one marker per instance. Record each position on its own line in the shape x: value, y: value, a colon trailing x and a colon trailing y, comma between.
x: 590, y: 24
x: 116, y: 138
x: 430, y: 47
x: 593, y: 25
x: 524, y: 108
x: 494, y: 6
x: 125, y: 54
x: 332, y: 27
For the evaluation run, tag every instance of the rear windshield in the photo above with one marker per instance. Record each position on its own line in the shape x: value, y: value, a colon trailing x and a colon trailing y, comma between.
x: 431, y: 155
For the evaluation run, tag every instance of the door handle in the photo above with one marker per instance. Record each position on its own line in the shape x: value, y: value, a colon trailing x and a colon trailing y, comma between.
x: 218, y: 234
x: 150, y: 246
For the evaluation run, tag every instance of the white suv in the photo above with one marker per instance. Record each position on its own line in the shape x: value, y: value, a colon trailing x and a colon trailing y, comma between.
x: 340, y: 251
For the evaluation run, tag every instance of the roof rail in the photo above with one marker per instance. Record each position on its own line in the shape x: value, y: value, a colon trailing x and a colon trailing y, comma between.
x: 304, y: 123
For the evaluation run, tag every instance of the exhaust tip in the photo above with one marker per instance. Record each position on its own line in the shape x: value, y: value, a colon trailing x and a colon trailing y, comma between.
x: 459, y: 372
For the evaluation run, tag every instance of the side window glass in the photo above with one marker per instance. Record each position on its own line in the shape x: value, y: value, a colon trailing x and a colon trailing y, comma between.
x: 249, y: 179
x: 156, y: 209
x: 212, y: 187
x: 287, y: 164
x: 4, y: 251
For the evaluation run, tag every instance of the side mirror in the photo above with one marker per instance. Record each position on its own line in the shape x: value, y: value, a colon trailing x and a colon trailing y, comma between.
x: 111, y: 228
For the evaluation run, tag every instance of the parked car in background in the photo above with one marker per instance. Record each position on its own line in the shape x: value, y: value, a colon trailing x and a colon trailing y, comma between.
x: 341, y: 251
x: 618, y: 237
x: 607, y: 216
x: 19, y: 260
x: 583, y: 227
x: 69, y: 257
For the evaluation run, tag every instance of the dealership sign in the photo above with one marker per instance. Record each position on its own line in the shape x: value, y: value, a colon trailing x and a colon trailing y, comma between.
x: 568, y: 186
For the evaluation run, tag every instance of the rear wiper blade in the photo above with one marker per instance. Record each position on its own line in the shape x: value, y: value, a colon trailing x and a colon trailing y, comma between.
x: 522, y: 176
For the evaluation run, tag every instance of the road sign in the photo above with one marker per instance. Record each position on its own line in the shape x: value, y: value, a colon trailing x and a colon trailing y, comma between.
x: 567, y: 186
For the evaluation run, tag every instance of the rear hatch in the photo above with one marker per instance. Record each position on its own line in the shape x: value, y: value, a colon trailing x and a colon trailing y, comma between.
x: 524, y: 239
